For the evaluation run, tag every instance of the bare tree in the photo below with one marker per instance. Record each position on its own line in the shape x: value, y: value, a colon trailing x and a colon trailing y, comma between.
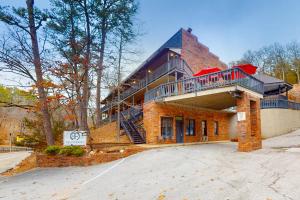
x: 293, y: 50
x: 279, y: 61
x: 28, y: 20
x: 110, y: 13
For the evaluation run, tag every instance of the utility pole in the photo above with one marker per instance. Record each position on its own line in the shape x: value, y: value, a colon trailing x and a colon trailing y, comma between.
x: 118, y: 87
x: 10, y: 142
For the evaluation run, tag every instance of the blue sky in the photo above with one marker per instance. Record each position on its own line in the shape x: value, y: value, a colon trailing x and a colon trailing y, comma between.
x: 227, y: 27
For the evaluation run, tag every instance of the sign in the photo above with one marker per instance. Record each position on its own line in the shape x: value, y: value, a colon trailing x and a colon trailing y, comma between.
x: 75, y: 138
x: 19, y: 139
x: 241, y: 116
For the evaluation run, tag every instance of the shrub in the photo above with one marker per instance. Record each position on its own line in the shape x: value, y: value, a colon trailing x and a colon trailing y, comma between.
x: 72, y: 150
x: 52, y: 150
x: 78, y: 152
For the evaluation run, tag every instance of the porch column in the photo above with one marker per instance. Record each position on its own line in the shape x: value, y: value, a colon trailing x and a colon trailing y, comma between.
x: 249, y: 124
x: 168, y: 59
x: 132, y: 100
x: 110, y: 111
x: 147, y: 80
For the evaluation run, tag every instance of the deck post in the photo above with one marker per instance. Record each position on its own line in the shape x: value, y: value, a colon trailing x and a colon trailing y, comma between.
x: 132, y: 100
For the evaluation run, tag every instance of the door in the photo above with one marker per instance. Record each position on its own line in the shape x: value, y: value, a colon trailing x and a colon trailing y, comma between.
x: 204, y: 130
x: 179, y: 129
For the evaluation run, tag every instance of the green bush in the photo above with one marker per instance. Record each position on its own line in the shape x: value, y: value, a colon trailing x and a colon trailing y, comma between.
x: 72, y: 150
x: 52, y: 150
x: 78, y: 152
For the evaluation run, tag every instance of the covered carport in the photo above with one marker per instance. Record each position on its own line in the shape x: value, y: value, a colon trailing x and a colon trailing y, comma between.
x: 247, y: 103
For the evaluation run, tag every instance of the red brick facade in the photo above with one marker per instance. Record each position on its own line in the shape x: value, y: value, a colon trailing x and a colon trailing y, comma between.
x: 152, y: 122
x: 249, y: 130
x: 198, y: 55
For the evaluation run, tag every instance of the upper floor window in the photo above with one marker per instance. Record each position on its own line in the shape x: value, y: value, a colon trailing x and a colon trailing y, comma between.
x: 190, y: 129
x: 167, y: 127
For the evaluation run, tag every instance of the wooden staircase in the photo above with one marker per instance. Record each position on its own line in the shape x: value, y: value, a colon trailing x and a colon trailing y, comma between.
x: 131, y: 123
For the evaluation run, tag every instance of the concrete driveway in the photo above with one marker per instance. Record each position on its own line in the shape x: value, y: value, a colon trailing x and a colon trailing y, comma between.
x: 196, y: 172
x: 10, y: 160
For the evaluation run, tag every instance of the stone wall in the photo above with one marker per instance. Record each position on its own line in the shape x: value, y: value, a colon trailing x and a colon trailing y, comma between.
x: 198, y: 55
x: 107, y: 134
x: 154, y: 111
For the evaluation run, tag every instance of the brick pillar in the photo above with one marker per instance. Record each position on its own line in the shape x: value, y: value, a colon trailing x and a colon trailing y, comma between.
x: 249, y: 130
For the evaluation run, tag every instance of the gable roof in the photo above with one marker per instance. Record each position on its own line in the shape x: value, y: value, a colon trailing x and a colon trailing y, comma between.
x: 173, y: 44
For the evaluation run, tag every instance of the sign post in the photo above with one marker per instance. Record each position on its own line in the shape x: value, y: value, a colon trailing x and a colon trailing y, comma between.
x: 10, y: 142
x: 75, y: 138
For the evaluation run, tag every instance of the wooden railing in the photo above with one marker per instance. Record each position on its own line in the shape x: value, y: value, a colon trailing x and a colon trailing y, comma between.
x: 128, y: 113
x: 165, y: 68
x: 279, y: 103
x: 220, y: 79
x: 173, y: 64
x: 127, y: 121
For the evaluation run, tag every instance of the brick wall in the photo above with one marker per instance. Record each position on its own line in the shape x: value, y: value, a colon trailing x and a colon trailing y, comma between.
x: 249, y: 130
x: 107, y: 134
x: 154, y: 111
x: 198, y: 55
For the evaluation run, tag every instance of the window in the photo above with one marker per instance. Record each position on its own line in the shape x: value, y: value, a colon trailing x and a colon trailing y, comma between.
x: 167, y: 127
x: 190, y: 129
x: 216, y: 128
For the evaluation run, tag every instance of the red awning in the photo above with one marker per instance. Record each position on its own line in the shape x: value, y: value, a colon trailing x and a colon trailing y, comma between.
x: 248, y: 68
x: 207, y: 70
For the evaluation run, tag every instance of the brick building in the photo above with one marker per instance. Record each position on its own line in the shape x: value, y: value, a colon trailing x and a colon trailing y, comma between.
x: 161, y: 101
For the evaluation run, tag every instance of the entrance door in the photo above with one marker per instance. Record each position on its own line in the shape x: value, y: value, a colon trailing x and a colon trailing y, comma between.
x: 204, y: 130
x: 179, y: 129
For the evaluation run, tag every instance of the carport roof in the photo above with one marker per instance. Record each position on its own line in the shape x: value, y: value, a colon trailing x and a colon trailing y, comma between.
x: 272, y: 85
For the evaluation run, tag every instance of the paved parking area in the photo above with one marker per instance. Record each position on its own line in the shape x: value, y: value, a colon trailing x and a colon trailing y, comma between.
x: 195, y: 172
x: 10, y: 160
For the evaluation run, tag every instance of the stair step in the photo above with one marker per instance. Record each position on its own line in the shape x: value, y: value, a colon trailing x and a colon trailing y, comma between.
x: 132, y: 127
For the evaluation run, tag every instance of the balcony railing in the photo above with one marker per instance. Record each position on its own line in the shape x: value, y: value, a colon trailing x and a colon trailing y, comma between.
x: 108, y: 106
x: 173, y: 64
x: 132, y: 111
x: 220, y: 79
x: 279, y: 103
x: 165, y: 68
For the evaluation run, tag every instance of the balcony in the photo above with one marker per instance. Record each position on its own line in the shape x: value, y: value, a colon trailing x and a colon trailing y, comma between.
x: 279, y: 103
x: 230, y: 77
x: 175, y: 64
x: 171, y: 65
